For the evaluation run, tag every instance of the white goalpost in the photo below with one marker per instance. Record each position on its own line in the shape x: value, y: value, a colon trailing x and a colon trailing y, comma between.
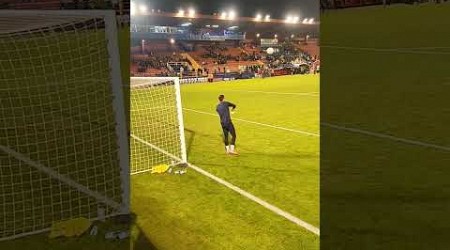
x: 63, y: 136
x: 157, y: 128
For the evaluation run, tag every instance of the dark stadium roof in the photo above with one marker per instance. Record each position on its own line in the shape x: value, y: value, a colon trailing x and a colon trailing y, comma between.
x: 276, y: 8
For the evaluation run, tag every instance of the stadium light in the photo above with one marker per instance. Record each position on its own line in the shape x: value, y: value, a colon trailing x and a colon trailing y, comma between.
x: 311, y: 21
x: 267, y: 18
x: 231, y: 15
x: 292, y: 19
x: 305, y: 20
x: 191, y: 12
x: 143, y: 8
x: 288, y: 19
x: 258, y: 17
x: 180, y: 12
x: 223, y: 15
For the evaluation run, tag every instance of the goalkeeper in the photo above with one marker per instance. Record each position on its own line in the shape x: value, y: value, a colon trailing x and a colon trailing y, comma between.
x: 223, y: 108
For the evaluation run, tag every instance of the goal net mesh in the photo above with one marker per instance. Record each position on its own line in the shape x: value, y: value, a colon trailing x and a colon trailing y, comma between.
x: 157, y: 135
x: 58, y: 142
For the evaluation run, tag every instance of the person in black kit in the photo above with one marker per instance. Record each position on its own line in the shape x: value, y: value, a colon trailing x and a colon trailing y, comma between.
x: 223, y: 109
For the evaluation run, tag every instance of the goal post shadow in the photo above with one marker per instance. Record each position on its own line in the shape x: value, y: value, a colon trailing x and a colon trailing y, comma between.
x: 189, y: 137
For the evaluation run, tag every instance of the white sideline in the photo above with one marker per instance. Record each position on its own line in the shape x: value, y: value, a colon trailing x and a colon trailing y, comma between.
x: 385, y: 136
x: 315, y: 94
x: 396, y: 50
x: 260, y: 124
x: 240, y: 191
x: 261, y: 202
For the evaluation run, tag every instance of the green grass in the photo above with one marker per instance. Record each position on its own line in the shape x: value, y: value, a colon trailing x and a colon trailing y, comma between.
x: 281, y: 167
x: 378, y: 193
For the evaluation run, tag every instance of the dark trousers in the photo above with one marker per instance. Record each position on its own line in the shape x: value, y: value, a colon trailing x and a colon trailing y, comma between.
x: 229, y: 129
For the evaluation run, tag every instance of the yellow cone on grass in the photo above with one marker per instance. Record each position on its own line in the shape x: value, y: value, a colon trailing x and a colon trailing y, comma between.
x: 70, y: 228
x: 160, y: 169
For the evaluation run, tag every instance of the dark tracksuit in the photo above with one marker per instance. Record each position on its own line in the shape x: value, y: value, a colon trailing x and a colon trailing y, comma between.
x: 223, y: 109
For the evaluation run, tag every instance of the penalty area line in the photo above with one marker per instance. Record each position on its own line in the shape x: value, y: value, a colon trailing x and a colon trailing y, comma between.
x: 259, y: 123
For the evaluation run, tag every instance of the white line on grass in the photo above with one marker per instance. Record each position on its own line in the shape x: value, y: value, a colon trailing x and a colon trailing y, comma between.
x: 385, y: 136
x: 315, y: 94
x: 396, y: 50
x: 62, y: 178
x: 260, y: 124
x: 261, y: 202
x: 239, y: 190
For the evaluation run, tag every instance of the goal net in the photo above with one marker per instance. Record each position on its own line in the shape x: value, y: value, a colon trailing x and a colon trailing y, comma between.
x: 63, y: 136
x: 157, y: 129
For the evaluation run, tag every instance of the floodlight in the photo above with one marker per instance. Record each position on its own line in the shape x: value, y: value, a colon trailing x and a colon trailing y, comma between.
x: 191, y: 12
x: 288, y: 19
x: 258, y: 17
x: 267, y: 18
x: 181, y: 12
x: 231, y: 15
x: 142, y: 8
x: 223, y: 15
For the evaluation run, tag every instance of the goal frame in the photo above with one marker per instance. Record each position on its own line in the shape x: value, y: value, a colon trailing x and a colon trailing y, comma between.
x: 116, y: 86
x: 180, y: 118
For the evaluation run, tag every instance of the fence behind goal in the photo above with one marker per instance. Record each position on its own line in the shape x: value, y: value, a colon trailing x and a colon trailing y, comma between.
x: 157, y: 129
x: 63, y: 141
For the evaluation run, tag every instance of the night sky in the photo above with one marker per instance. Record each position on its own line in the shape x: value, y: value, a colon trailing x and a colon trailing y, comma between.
x: 276, y: 8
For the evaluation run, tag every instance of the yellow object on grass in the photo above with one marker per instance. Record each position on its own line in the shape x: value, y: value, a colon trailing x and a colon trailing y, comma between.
x: 160, y: 169
x: 70, y: 228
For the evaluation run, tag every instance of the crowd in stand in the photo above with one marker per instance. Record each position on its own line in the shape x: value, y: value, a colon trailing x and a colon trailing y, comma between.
x: 287, y: 57
x: 155, y: 61
x: 217, y: 52
x: 288, y: 54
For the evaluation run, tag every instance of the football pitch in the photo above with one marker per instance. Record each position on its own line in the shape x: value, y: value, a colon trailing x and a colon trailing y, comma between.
x: 277, y: 123
x: 384, y: 128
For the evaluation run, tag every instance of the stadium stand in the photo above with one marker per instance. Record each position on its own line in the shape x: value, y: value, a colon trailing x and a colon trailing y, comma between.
x: 185, y: 48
